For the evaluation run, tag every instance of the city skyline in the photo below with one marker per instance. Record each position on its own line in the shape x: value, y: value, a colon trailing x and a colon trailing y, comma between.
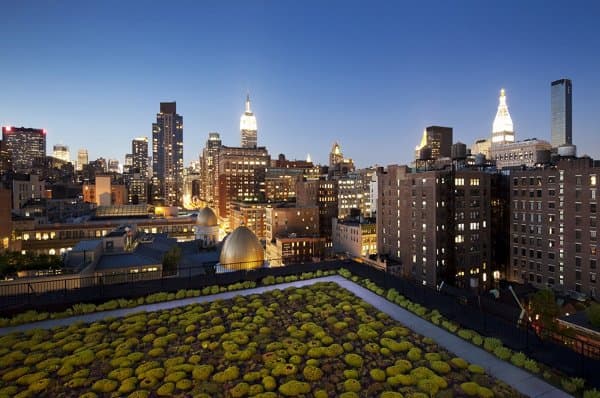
x: 368, y: 90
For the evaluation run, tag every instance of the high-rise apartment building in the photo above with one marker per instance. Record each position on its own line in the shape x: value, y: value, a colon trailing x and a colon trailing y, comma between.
x: 24, y: 146
x: 60, y: 151
x: 439, y: 224
x: 248, y: 127
x: 139, y: 156
x: 240, y: 176
x: 167, y: 156
x: 503, y: 131
x: 82, y: 159
x: 438, y: 139
x: 136, y: 168
x: 554, y: 226
x: 561, y: 93
x: 208, y: 170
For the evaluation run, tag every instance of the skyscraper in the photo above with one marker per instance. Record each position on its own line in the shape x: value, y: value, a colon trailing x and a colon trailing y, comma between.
x: 82, y: 158
x: 502, y: 130
x: 60, y: 151
x: 209, y: 169
x: 139, y: 152
x: 335, y: 155
x: 138, y: 179
x: 338, y: 165
x: 438, y: 139
x: 167, y: 155
x: 240, y: 176
x: 248, y: 127
x: 562, y: 112
x: 23, y: 146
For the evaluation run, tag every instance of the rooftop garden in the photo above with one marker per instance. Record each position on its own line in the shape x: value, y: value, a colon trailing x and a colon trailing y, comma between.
x: 573, y: 385
x: 319, y: 341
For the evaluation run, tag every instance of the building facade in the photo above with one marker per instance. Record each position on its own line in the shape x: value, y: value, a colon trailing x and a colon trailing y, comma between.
x: 138, y: 173
x: 561, y: 93
x: 250, y: 214
x: 323, y: 194
x: 59, y: 238
x: 26, y: 187
x: 554, y: 239
x: 338, y: 164
x: 521, y: 153
x: 240, y: 176
x: 438, y: 224
x: 438, y: 139
x: 167, y: 156
x: 23, y: 146
x: 354, y: 192
x: 82, y: 159
x: 60, y: 151
x: 209, y: 170
x: 356, y: 238
x: 139, y: 156
x: 5, y: 217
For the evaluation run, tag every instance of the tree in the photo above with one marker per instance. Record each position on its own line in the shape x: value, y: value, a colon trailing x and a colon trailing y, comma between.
x: 171, y: 260
x: 593, y: 314
x: 543, y: 305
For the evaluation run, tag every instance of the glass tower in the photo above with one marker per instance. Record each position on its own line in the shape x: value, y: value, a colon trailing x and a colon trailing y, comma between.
x: 562, y: 112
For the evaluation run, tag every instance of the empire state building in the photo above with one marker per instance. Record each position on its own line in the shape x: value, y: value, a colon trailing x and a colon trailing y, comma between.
x: 248, y: 127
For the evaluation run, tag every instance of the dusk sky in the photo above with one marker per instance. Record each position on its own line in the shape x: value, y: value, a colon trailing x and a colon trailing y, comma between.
x: 370, y: 75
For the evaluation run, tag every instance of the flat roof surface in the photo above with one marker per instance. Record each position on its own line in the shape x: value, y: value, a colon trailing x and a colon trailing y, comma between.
x: 124, y: 260
x: 580, y: 319
x: 91, y: 244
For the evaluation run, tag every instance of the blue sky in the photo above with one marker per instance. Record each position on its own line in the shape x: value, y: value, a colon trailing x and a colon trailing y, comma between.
x: 370, y: 75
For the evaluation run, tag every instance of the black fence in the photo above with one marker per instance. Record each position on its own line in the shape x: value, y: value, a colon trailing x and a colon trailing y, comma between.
x: 486, y: 316
x: 58, y: 294
x: 482, y: 314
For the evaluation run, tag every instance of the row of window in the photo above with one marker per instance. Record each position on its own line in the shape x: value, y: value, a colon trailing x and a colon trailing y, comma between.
x: 552, y: 179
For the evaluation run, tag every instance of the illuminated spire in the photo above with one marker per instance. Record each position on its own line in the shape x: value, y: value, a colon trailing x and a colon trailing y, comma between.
x: 248, y: 103
x: 248, y: 126
x: 336, y: 149
x: 502, y: 129
x: 308, y: 158
x: 423, y: 143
